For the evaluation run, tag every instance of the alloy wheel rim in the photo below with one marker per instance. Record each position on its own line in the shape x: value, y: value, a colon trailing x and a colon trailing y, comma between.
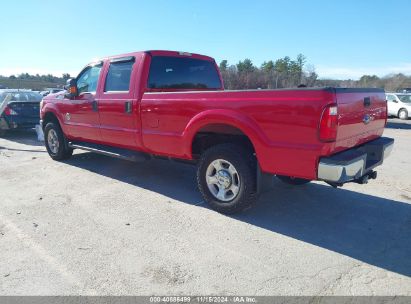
x: 223, y: 180
x: 402, y: 114
x: 53, y: 141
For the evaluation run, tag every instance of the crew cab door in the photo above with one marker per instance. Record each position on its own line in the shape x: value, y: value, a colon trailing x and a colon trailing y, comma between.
x: 80, y: 114
x: 118, y: 106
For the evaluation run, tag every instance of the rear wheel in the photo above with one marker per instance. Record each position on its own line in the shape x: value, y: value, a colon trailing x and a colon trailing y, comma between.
x: 226, y: 177
x: 403, y: 114
x: 55, y: 142
x: 293, y: 180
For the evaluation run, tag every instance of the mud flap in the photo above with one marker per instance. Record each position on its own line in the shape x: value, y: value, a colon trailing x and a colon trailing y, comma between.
x: 265, y: 181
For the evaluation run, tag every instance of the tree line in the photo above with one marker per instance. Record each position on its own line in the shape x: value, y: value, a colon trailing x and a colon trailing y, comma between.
x: 272, y: 74
x: 35, y: 82
x: 281, y: 73
x: 288, y: 73
x: 390, y: 83
x: 45, y: 78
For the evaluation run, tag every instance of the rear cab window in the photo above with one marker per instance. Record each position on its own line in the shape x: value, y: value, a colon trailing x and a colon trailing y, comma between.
x: 118, y: 75
x: 185, y: 73
x: 118, y: 82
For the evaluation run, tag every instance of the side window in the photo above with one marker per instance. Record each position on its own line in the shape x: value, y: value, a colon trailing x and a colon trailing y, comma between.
x: 88, y: 79
x: 390, y: 97
x: 118, y: 76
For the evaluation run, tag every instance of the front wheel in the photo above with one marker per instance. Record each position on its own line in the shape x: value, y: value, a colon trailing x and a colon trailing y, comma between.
x: 403, y: 114
x: 226, y: 177
x: 55, y: 142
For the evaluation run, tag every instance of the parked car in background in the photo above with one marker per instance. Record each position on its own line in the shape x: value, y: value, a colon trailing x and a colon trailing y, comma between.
x: 21, y: 109
x: 405, y: 90
x: 399, y: 105
x: 51, y: 91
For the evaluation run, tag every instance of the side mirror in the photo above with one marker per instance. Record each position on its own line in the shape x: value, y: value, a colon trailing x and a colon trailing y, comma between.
x: 71, y: 88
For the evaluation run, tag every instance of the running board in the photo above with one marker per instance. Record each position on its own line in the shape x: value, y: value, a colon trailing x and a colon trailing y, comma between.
x: 111, y: 151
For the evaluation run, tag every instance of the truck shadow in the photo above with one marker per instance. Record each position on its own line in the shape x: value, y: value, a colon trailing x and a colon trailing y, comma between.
x: 398, y: 125
x: 368, y: 228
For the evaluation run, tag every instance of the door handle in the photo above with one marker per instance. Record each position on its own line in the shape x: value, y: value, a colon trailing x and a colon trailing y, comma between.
x: 367, y: 101
x: 127, y: 107
x: 94, y: 106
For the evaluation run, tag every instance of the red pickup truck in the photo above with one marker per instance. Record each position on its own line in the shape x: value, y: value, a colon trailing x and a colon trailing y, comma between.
x: 173, y: 105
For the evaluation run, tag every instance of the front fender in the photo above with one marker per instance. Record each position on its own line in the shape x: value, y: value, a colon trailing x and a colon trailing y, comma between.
x: 51, y: 108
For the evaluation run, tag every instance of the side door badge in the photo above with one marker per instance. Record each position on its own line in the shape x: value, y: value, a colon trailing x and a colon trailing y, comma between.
x: 367, y: 119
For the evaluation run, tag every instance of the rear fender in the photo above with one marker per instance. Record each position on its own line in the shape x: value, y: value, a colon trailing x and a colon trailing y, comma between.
x: 227, y: 117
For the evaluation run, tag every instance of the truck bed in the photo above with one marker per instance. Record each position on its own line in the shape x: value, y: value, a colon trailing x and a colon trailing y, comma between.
x: 282, y: 124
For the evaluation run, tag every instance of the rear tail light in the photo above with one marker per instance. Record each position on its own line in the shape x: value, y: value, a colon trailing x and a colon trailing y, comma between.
x: 329, y: 123
x: 8, y: 111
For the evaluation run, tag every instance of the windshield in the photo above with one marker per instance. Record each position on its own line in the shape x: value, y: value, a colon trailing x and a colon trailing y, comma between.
x: 405, y: 98
x: 20, y: 96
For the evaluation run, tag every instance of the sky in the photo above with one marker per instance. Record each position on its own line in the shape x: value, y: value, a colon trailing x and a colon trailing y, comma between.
x: 341, y: 38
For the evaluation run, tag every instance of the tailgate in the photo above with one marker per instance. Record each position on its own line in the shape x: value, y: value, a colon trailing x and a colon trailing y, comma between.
x: 362, y: 115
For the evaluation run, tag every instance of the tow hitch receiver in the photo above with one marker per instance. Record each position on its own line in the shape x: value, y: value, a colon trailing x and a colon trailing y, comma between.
x: 364, y: 179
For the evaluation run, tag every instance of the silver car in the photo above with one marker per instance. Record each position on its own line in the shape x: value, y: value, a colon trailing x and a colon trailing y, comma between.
x: 399, y: 105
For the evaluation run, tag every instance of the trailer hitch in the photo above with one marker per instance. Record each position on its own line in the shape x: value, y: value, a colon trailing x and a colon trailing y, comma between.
x: 362, y: 180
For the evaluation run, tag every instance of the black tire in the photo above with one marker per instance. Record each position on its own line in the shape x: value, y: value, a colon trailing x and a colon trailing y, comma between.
x: 63, y: 151
x: 403, y: 114
x: 244, y: 163
x: 293, y: 180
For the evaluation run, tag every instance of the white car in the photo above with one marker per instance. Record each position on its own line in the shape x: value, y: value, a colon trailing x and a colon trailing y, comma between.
x: 399, y: 105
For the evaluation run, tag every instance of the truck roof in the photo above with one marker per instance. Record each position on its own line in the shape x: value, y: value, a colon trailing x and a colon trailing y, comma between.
x: 160, y: 53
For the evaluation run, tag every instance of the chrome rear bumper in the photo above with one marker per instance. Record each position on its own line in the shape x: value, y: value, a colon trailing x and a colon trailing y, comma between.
x: 354, y: 163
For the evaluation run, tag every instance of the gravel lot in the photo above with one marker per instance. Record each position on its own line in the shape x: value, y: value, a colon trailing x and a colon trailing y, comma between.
x: 97, y: 226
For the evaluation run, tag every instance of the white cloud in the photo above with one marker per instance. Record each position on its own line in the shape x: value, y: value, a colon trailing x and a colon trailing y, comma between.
x: 355, y: 73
